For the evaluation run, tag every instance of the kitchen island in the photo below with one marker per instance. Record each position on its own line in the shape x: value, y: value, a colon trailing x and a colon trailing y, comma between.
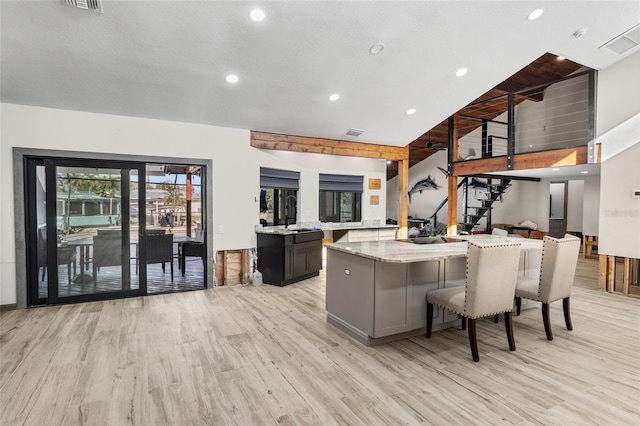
x: 376, y: 290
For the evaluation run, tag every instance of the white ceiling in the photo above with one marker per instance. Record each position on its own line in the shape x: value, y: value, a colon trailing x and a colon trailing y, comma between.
x: 168, y: 59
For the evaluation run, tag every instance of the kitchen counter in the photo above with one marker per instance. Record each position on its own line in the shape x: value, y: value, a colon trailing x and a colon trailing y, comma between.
x: 407, y: 252
x: 376, y: 289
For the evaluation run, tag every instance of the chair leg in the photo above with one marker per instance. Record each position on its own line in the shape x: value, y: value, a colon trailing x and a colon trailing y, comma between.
x: 545, y: 320
x: 171, y: 270
x: 518, y: 305
x: 473, y: 341
x: 429, y: 319
x: 496, y: 318
x: 508, y: 325
x: 163, y: 267
x: 567, y: 314
x: 464, y: 323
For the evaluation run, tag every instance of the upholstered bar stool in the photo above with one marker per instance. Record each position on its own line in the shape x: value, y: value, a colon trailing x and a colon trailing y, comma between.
x: 557, y: 271
x: 492, y: 271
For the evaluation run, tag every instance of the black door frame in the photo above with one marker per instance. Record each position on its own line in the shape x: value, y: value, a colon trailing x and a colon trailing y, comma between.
x: 51, y: 164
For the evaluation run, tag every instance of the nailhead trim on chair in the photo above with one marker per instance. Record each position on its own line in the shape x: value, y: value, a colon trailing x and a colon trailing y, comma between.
x: 466, y: 283
x: 556, y: 240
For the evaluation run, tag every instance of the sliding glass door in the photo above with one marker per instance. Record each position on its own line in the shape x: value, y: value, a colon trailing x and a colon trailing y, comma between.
x: 83, y: 229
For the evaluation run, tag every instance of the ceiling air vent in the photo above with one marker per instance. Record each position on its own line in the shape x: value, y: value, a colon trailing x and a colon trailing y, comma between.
x: 354, y: 132
x: 95, y: 5
x: 625, y: 41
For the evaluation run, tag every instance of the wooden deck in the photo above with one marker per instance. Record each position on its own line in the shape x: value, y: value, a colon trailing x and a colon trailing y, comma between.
x: 247, y: 355
x: 110, y: 279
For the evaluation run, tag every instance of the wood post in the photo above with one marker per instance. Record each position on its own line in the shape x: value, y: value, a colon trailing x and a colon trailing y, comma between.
x: 452, y: 183
x: 452, y: 206
x: 611, y: 273
x: 626, y: 283
x: 602, y: 273
x: 403, y: 198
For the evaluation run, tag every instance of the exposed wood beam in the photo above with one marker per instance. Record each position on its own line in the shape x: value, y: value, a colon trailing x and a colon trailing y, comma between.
x: 327, y: 146
x: 403, y: 198
x: 558, y: 157
x: 452, y: 206
x: 531, y: 160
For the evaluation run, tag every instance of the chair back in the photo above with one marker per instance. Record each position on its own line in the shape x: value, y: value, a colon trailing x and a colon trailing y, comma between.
x: 492, y: 271
x: 558, y: 269
x: 159, y: 248
x: 107, y: 250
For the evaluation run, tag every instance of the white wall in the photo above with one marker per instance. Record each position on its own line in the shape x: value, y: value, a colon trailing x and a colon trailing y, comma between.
x: 591, y: 205
x: 236, y: 167
x: 575, y: 205
x: 618, y: 94
x: 619, y: 212
x: 422, y: 205
x: 524, y: 200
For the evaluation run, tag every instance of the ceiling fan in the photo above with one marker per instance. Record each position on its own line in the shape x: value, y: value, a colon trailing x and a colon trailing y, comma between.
x: 436, y: 146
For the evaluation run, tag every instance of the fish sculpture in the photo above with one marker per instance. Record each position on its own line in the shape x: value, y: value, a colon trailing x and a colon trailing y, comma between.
x: 423, y: 185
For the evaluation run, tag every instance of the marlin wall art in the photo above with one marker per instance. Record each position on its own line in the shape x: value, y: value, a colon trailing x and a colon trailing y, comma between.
x: 422, y: 185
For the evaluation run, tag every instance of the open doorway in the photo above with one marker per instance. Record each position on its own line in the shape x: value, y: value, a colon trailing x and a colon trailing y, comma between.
x: 175, y: 222
x: 557, y: 209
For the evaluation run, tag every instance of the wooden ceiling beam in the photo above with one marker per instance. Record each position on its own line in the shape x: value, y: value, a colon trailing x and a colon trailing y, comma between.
x: 281, y: 142
x: 530, y: 160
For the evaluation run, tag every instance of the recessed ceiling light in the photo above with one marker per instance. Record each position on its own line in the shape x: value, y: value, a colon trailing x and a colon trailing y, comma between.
x: 257, y: 15
x: 334, y: 97
x: 584, y: 172
x: 461, y: 72
x: 232, y: 78
x: 388, y: 161
x: 535, y: 14
x: 411, y: 111
x: 561, y: 58
x: 555, y: 169
x: 376, y: 48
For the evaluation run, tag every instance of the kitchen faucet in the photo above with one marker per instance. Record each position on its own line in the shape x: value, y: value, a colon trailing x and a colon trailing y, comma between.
x: 288, y: 207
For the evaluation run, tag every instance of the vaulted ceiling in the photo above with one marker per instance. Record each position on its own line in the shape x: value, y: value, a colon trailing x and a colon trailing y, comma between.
x: 544, y: 70
x: 169, y: 60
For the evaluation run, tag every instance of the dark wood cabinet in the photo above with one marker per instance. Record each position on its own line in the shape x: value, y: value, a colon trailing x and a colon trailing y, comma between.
x: 284, y: 259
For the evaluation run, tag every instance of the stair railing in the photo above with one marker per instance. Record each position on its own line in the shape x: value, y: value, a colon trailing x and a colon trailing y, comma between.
x: 439, y: 217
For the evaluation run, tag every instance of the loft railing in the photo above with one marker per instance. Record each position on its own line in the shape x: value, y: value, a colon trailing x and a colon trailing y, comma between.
x: 555, y: 115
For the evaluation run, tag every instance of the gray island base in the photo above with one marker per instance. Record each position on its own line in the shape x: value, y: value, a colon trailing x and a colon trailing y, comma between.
x: 376, y: 290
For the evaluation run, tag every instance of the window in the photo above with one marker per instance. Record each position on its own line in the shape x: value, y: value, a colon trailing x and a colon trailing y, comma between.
x: 340, y: 198
x: 278, y: 196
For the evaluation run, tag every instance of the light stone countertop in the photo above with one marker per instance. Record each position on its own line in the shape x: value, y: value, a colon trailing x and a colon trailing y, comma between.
x: 408, y: 252
x: 323, y: 227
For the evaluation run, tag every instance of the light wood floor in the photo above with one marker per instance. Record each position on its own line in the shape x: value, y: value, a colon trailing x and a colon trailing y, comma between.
x: 266, y: 355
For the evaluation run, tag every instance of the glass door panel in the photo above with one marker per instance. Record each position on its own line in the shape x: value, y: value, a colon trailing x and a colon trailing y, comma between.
x: 92, y: 230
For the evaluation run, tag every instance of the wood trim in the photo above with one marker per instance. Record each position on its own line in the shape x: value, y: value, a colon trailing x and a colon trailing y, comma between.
x: 452, y: 206
x: 403, y: 198
x: 281, y: 142
x: 531, y: 160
